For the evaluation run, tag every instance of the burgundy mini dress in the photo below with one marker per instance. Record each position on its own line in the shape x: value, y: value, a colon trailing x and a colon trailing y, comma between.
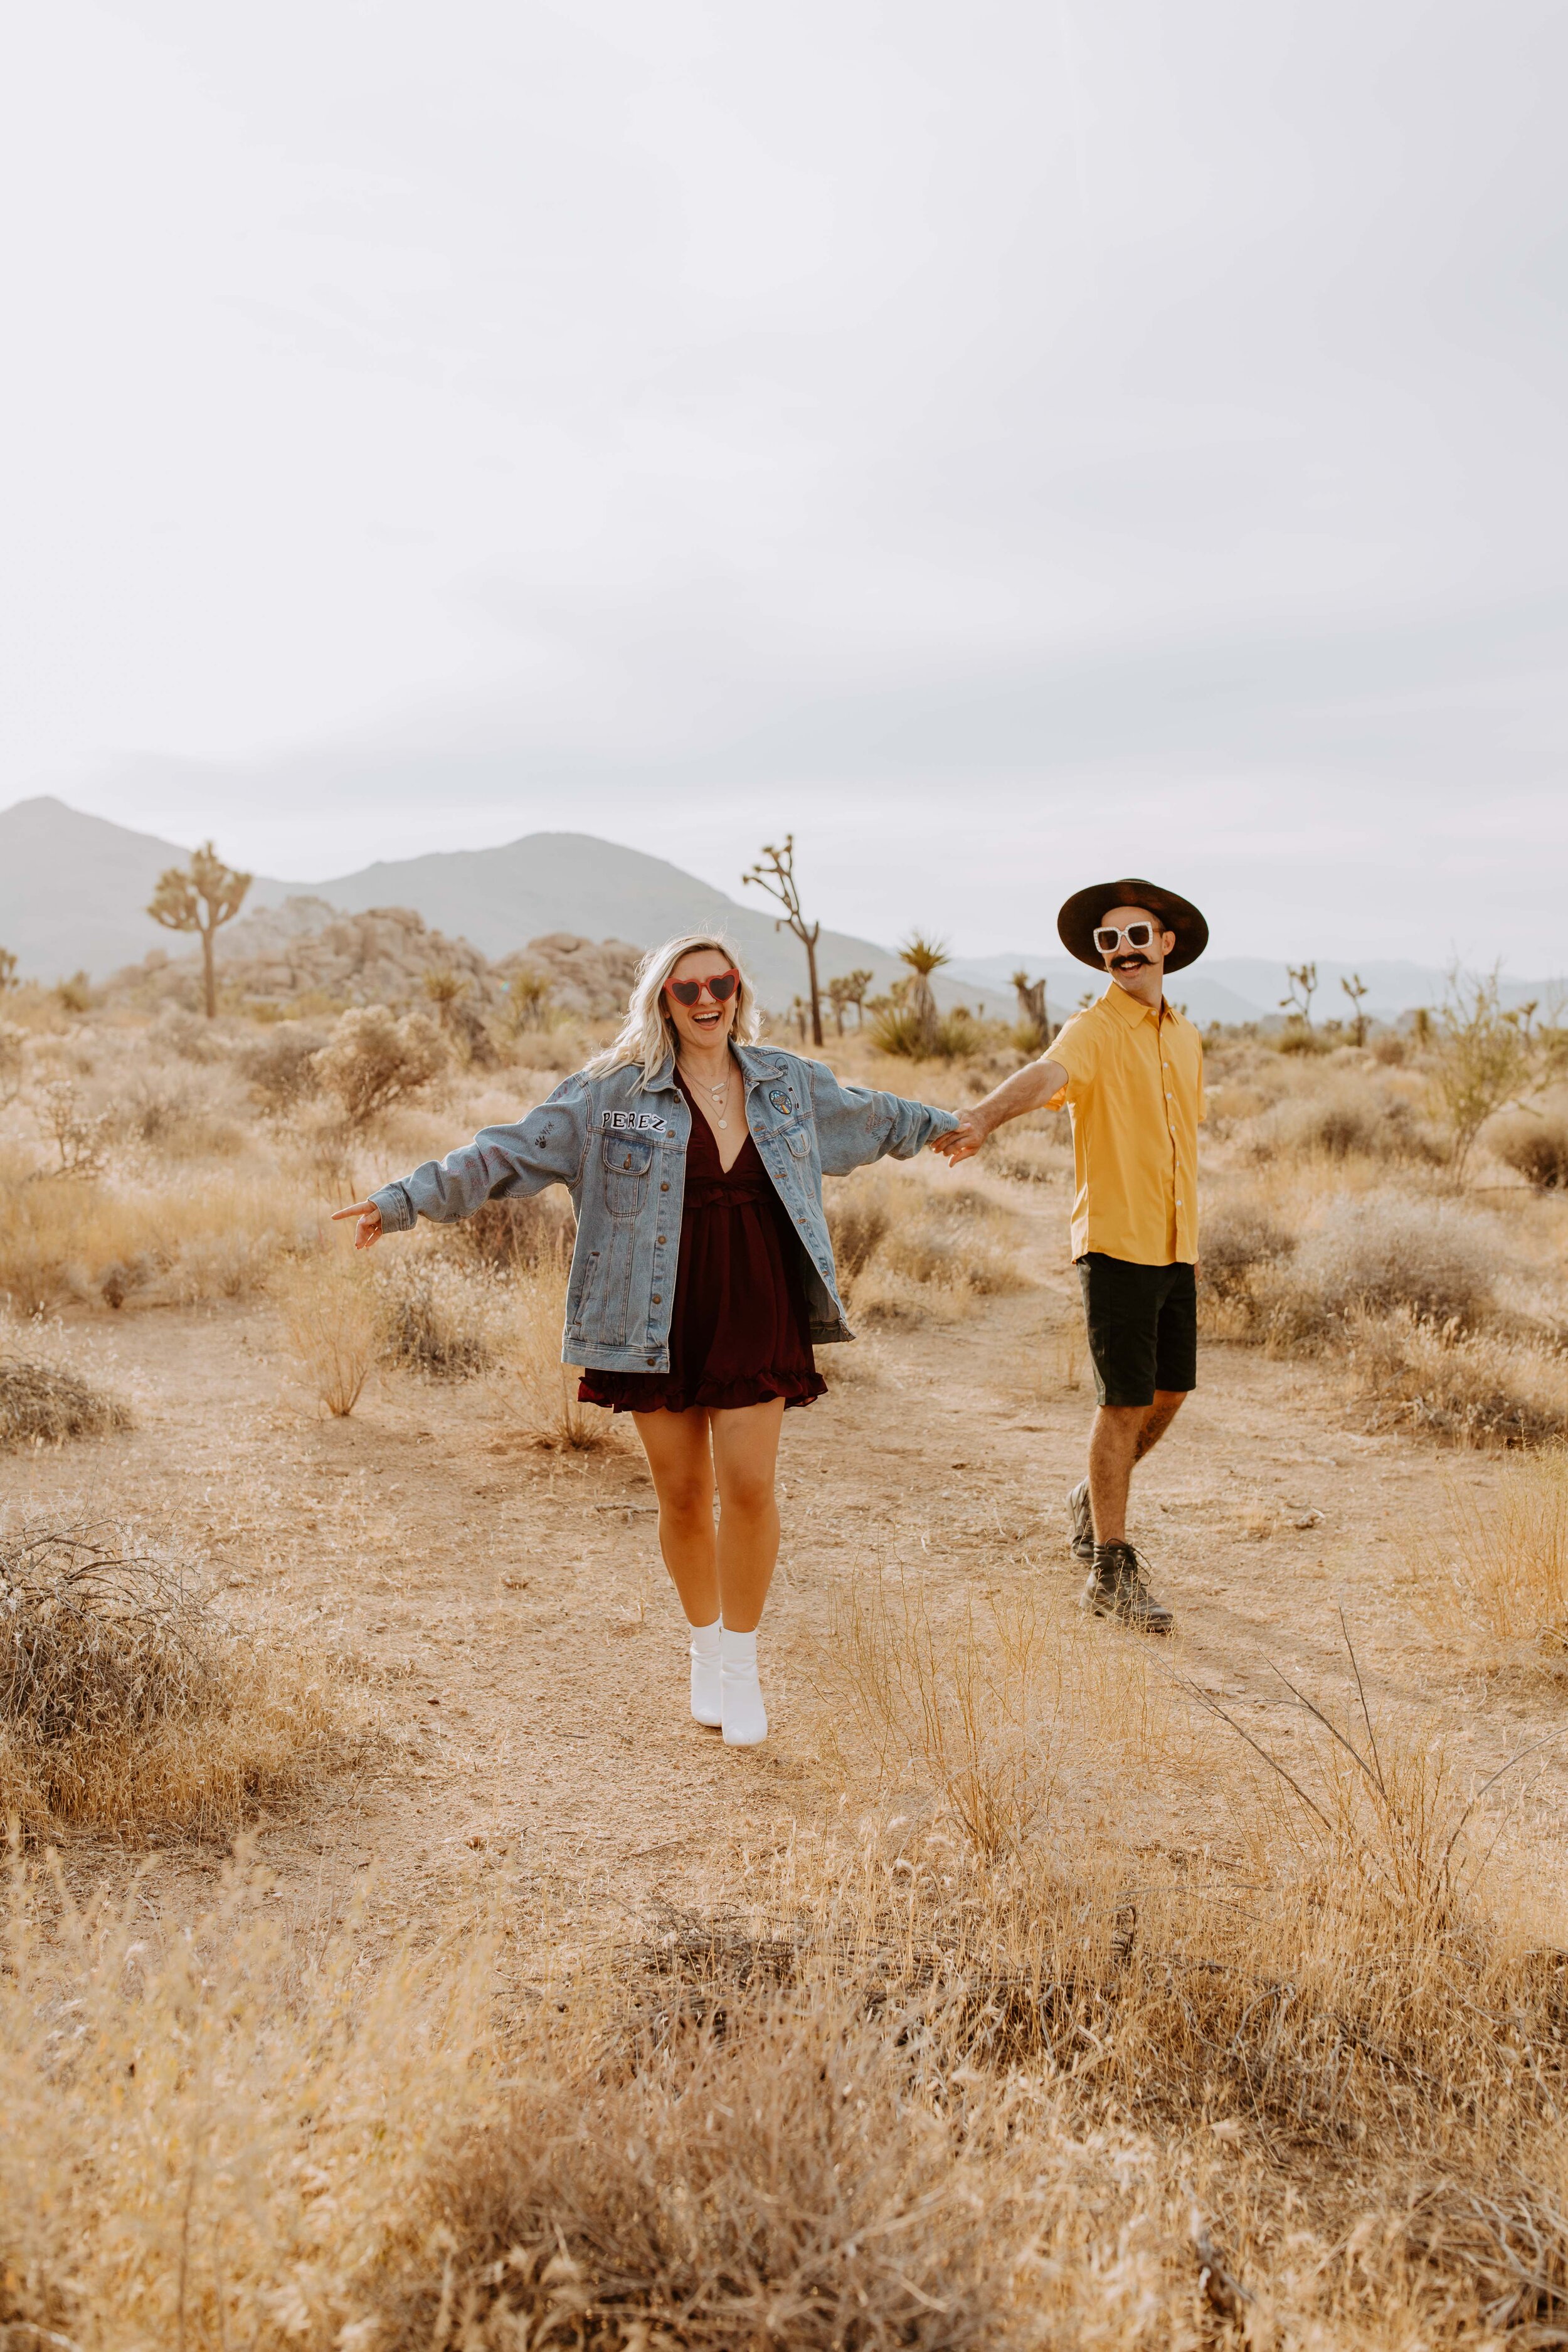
x: 739, y: 1332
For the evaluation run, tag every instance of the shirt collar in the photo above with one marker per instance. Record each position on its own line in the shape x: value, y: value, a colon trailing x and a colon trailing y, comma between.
x: 1128, y: 1008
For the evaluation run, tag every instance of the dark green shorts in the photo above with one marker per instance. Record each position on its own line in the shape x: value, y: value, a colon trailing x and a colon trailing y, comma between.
x: 1143, y: 1326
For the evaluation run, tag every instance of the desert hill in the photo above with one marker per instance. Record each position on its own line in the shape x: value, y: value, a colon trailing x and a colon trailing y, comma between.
x: 73, y: 888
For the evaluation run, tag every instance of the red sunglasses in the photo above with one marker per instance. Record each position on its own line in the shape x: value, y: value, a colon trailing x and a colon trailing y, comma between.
x: 721, y: 988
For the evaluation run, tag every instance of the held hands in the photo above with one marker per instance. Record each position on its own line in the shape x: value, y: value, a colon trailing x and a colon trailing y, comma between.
x: 962, y: 1142
x: 367, y: 1233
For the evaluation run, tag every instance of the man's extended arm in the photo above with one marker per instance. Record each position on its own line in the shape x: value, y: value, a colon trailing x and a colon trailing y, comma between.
x: 1027, y: 1089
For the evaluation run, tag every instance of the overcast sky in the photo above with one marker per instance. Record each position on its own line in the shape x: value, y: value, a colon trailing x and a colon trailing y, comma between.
x: 1008, y: 443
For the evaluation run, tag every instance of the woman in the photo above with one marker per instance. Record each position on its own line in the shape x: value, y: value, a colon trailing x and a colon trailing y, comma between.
x: 702, y: 1272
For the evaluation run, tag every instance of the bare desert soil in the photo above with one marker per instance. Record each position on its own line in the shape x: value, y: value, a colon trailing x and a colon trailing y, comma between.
x: 506, y: 1614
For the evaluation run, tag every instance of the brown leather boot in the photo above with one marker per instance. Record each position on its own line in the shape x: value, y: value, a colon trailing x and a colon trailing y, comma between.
x: 1117, y: 1589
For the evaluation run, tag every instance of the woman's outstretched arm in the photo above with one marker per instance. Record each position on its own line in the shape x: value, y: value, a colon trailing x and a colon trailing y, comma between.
x: 544, y: 1148
x: 856, y: 1124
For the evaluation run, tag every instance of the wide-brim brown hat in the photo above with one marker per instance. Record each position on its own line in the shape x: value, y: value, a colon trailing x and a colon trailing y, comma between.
x: 1085, y: 910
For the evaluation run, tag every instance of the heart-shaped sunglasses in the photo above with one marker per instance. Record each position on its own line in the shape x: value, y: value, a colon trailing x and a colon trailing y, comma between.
x: 721, y: 988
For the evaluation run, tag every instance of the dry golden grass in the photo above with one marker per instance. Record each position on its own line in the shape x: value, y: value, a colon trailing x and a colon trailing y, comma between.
x: 213, y: 1235
x: 334, y: 1323
x: 1501, y: 1582
x: 904, y: 2096
x: 539, y: 1392
x: 905, y: 1246
x: 128, y: 1705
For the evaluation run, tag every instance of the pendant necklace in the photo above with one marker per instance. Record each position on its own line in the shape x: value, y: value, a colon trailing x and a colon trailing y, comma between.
x: 718, y: 1095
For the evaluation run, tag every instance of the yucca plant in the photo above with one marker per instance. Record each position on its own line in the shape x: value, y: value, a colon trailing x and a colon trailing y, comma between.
x: 923, y: 957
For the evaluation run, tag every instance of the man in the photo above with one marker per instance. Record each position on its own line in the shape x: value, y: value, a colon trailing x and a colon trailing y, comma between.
x: 1130, y: 1069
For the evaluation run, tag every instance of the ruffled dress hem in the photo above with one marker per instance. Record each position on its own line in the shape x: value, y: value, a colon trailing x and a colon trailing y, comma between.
x: 653, y: 1392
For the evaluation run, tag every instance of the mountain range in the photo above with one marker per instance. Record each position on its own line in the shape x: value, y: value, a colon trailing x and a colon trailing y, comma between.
x: 74, y: 889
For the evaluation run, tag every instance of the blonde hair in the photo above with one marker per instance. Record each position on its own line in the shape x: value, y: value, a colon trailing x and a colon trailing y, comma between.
x: 646, y: 1036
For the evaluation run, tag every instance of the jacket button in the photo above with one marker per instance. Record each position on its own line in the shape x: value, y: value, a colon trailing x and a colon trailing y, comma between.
x: 664, y: 1188
x: 656, y: 1299
x: 662, y: 1239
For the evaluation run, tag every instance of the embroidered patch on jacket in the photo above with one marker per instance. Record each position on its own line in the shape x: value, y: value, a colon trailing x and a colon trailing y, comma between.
x: 782, y: 1100
x: 633, y: 1122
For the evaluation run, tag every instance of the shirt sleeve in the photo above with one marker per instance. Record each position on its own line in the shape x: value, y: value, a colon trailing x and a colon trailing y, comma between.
x: 545, y: 1148
x: 1075, y: 1049
x: 856, y: 1125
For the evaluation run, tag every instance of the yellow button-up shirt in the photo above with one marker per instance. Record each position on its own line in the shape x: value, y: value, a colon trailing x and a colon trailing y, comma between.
x: 1135, y: 1092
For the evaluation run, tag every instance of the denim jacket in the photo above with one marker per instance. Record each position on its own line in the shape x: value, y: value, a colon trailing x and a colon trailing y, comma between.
x: 618, y: 1144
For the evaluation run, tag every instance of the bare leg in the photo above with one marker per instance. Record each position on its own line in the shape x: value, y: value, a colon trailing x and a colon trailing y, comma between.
x: 745, y: 1456
x: 1122, y: 1435
x: 681, y: 1457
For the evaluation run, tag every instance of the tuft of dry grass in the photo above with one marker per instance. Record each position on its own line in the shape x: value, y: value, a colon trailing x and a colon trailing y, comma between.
x: 1478, y: 1388
x: 540, y: 1397
x: 1502, y: 1580
x: 333, y: 1323
x: 127, y: 1705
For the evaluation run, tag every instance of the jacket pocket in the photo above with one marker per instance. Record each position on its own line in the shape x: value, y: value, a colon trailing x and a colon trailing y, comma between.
x: 799, y: 1141
x: 627, y: 1163
x: 583, y: 1279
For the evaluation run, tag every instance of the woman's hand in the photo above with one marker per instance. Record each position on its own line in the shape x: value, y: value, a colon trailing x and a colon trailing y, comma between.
x: 962, y: 1142
x: 368, y: 1231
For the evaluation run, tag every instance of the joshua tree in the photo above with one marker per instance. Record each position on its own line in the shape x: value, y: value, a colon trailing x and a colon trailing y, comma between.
x: 1355, y: 989
x: 923, y: 957
x: 774, y: 873
x: 200, y: 897
x: 1303, y: 979
x: 7, y: 968
x: 1032, y: 1012
x: 850, y: 988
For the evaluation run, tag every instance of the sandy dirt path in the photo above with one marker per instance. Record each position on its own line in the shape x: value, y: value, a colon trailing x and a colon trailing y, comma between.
x: 508, y: 1611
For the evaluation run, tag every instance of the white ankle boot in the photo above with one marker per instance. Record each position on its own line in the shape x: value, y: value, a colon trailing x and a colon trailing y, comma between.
x: 706, y: 1704
x: 744, y: 1718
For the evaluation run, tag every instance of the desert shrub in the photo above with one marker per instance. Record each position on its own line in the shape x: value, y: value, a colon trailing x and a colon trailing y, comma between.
x: 1537, y: 1149
x: 374, y: 1060
x: 1240, y: 1237
x: 76, y: 1135
x: 1345, y: 1120
x: 45, y: 1404
x: 1482, y: 1057
x: 333, y: 1321
x: 126, y: 1703
x: 858, y: 1222
x: 179, y: 1029
x: 520, y: 1234
x: 1382, y: 1252
x: 440, y: 1315
x: 900, y: 1030
x: 1300, y: 1037
x: 896, y: 1244
x: 281, y: 1069
x: 1390, y: 1048
x: 1478, y: 1388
